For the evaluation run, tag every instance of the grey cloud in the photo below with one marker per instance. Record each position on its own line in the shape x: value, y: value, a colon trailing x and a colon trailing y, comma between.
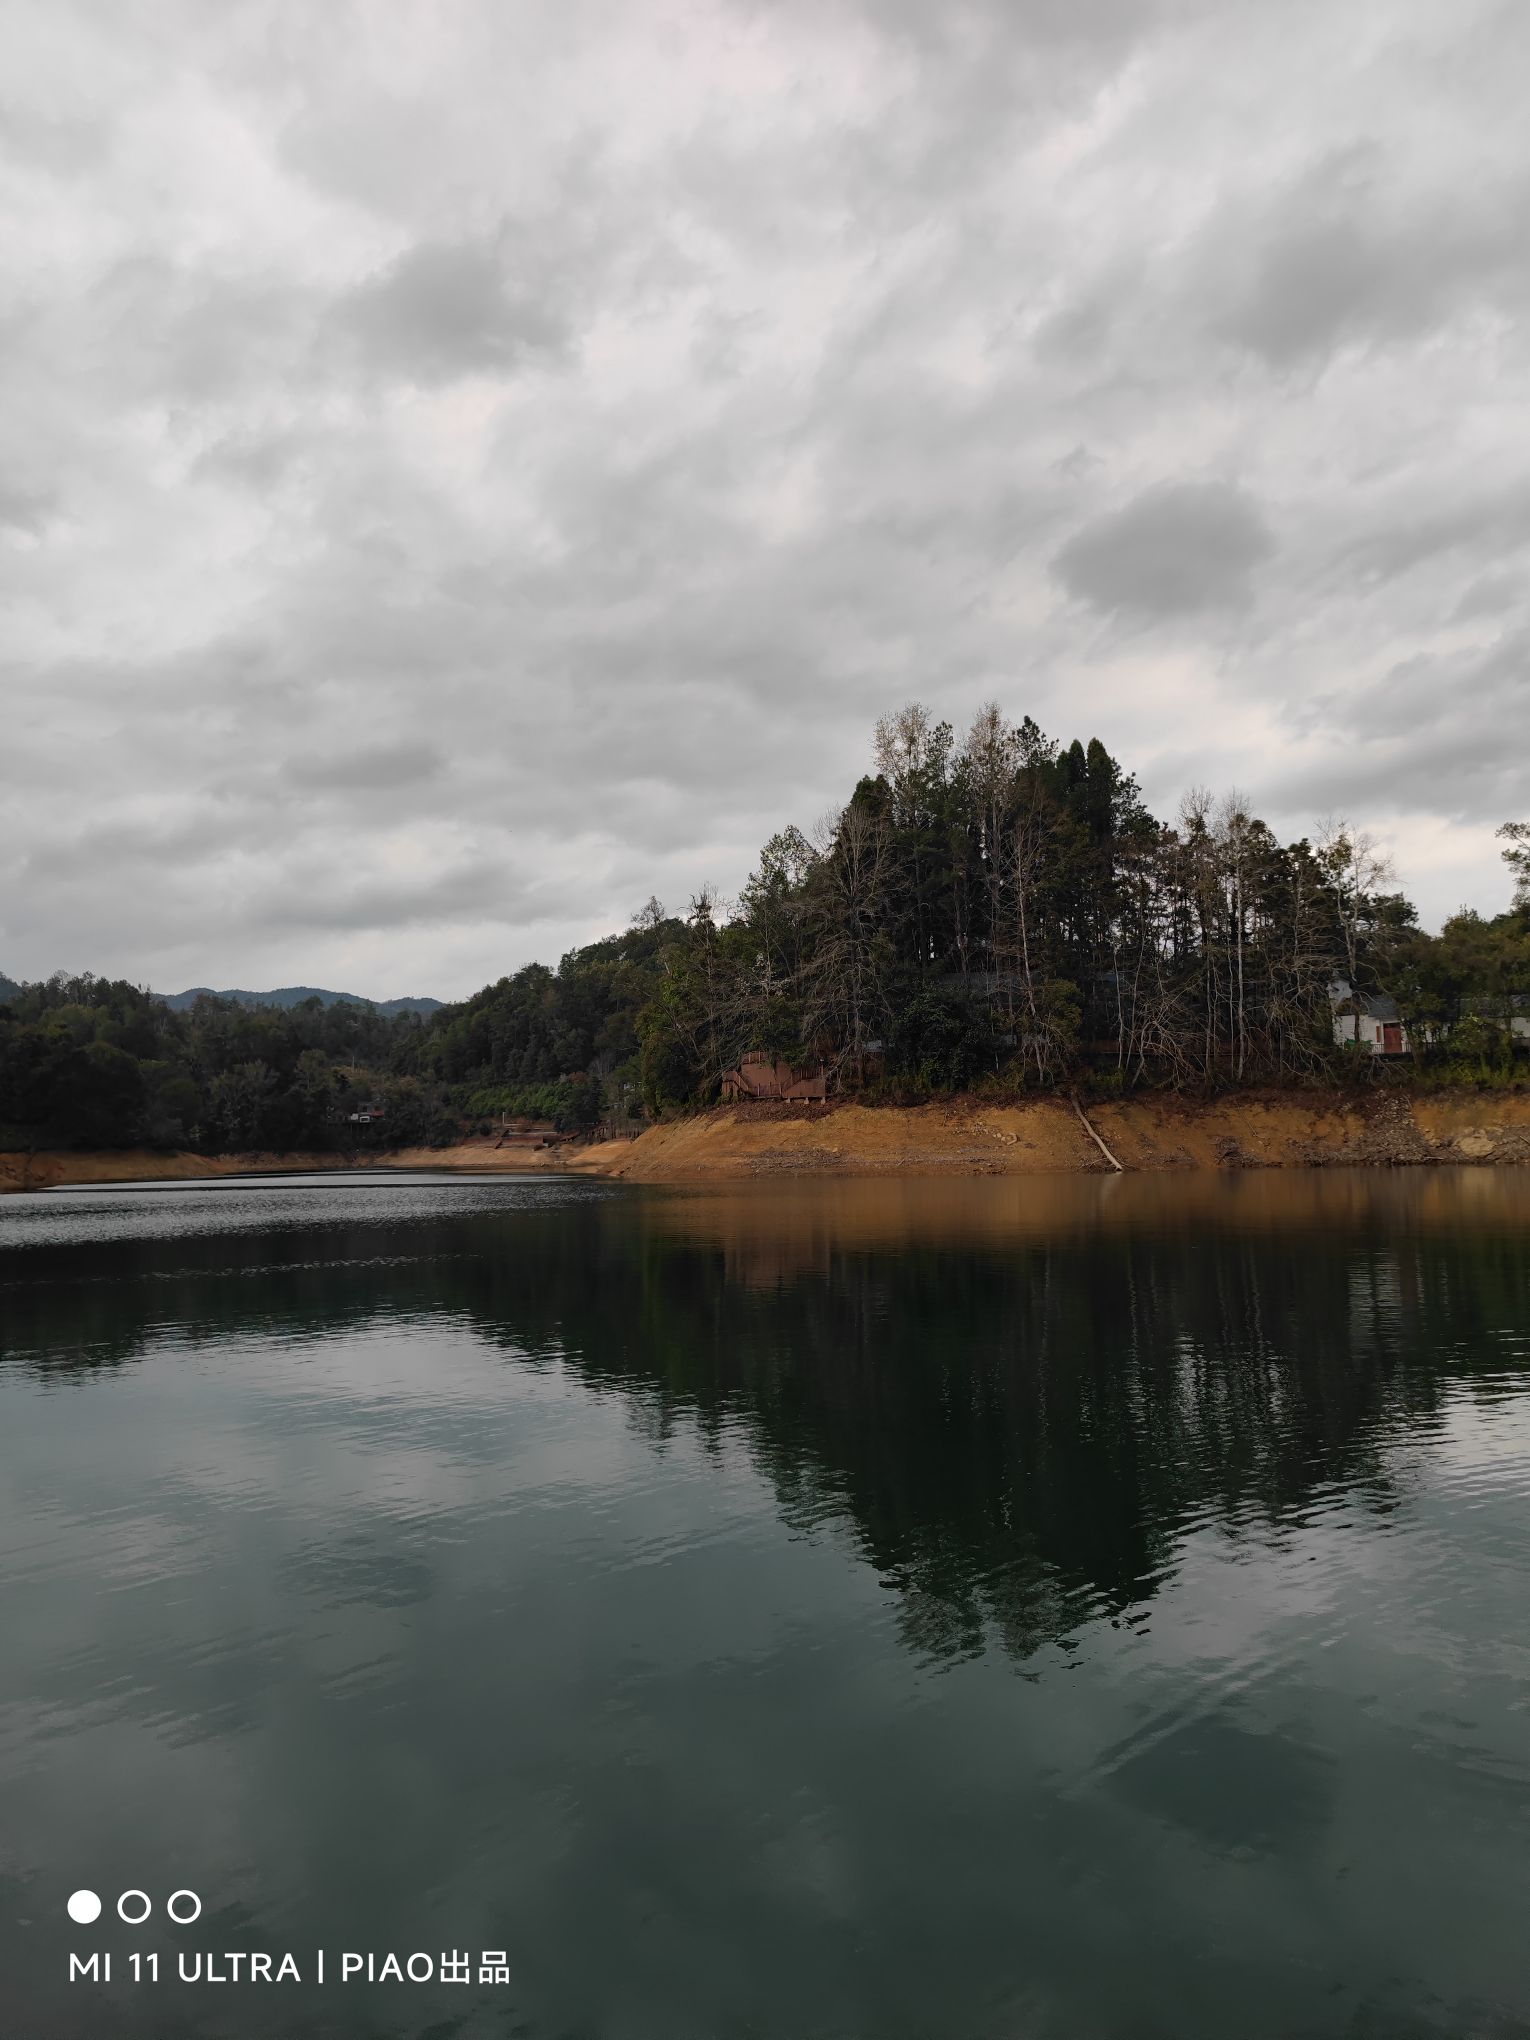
x: 948, y: 31
x: 1483, y: 524
x: 465, y: 891
x: 1428, y: 733
x: 1490, y: 595
x: 340, y: 630
x: 256, y: 460
x: 169, y: 332
x: 64, y: 145
x: 1087, y: 332
x: 1078, y: 465
x: 1349, y: 255
x: 1177, y: 550
x: 123, y: 847
x: 23, y: 509
x: 448, y: 309
x: 368, y: 767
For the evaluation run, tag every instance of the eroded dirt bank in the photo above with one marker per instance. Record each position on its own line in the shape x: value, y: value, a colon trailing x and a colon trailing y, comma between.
x: 49, y: 1168
x: 969, y: 1138
x: 963, y: 1138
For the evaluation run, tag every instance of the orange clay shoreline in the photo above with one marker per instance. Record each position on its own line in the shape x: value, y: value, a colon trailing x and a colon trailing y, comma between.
x: 959, y: 1137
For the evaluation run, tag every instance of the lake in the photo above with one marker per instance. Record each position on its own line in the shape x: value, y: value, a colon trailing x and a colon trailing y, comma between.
x: 1057, y: 1609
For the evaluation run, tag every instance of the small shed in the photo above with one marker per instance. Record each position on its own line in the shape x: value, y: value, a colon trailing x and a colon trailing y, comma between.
x: 760, y: 1076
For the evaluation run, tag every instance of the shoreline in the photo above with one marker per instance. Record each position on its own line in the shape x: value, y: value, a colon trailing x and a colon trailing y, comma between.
x: 957, y: 1137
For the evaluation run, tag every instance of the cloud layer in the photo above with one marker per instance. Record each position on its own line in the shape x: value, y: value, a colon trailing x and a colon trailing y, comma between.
x: 464, y: 469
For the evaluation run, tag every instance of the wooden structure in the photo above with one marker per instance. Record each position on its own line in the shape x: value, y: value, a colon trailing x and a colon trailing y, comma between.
x: 761, y: 1076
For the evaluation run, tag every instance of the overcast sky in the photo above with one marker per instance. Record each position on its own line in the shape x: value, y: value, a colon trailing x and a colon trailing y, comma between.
x: 465, y: 467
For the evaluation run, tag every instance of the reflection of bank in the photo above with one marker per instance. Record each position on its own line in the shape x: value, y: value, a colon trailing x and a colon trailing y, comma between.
x: 1028, y: 1393
x: 1020, y: 1394
x: 774, y: 1228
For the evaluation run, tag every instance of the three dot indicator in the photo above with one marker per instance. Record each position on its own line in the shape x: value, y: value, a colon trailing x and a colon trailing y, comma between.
x: 84, y: 1907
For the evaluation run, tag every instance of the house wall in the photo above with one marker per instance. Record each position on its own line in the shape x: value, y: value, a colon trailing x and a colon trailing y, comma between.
x: 1369, y: 1033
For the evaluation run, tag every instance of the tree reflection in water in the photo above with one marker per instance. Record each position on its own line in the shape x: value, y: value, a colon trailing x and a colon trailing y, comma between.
x: 1018, y: 1395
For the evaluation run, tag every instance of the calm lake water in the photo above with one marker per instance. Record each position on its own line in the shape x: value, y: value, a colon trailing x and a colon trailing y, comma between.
x: 1056, y: 1610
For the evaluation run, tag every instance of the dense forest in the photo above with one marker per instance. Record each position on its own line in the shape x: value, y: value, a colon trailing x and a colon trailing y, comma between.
x: 997, y: 913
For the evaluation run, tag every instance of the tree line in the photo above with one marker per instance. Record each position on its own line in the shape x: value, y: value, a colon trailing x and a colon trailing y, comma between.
x: 97, y: 1062
x: 998, y: 912
x: 1003, y: 910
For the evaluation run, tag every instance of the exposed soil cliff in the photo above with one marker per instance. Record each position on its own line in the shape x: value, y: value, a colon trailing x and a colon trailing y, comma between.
x: 964, y: 1137
x: 48, y: 1168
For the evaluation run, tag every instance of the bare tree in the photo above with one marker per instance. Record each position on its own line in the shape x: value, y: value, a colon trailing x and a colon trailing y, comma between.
x: 1517, y: 857
x: 844, y: 1000
x: 1357, y: 867
x: 1232, y: 834
x: 1045, y: 1018
x: 988, y: 762
x: 902, y: 743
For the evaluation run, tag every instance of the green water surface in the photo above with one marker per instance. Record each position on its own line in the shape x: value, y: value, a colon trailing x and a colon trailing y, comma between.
x: 1057, y: 1610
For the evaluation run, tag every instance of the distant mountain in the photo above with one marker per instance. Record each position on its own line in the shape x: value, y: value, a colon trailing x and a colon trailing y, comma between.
x: 294, y: 995
x: 284, y: 996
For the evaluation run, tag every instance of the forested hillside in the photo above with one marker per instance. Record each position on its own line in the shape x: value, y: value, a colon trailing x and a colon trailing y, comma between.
x: 90, y: 1062
x: 1004, y: 910
x: 999, y: 912
x: 564, y: 1044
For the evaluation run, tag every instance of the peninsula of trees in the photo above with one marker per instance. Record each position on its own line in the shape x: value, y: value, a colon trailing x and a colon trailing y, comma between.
x: 999, y: 913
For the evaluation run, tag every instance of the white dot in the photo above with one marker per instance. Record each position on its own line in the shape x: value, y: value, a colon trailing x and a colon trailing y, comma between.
x: 84, y: 1907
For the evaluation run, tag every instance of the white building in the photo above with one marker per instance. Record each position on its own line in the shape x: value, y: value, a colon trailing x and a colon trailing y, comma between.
x: 1373, y: 1020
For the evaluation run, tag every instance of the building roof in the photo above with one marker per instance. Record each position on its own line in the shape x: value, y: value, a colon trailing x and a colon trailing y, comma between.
x: 1368, y: 1005
x: 1491, y: 1008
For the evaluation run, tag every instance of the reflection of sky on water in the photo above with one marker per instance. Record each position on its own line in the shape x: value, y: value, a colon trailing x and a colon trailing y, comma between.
x: 268, y: 1204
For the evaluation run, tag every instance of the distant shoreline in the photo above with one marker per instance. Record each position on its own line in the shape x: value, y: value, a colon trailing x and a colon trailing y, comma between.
x: 960, y: 1137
